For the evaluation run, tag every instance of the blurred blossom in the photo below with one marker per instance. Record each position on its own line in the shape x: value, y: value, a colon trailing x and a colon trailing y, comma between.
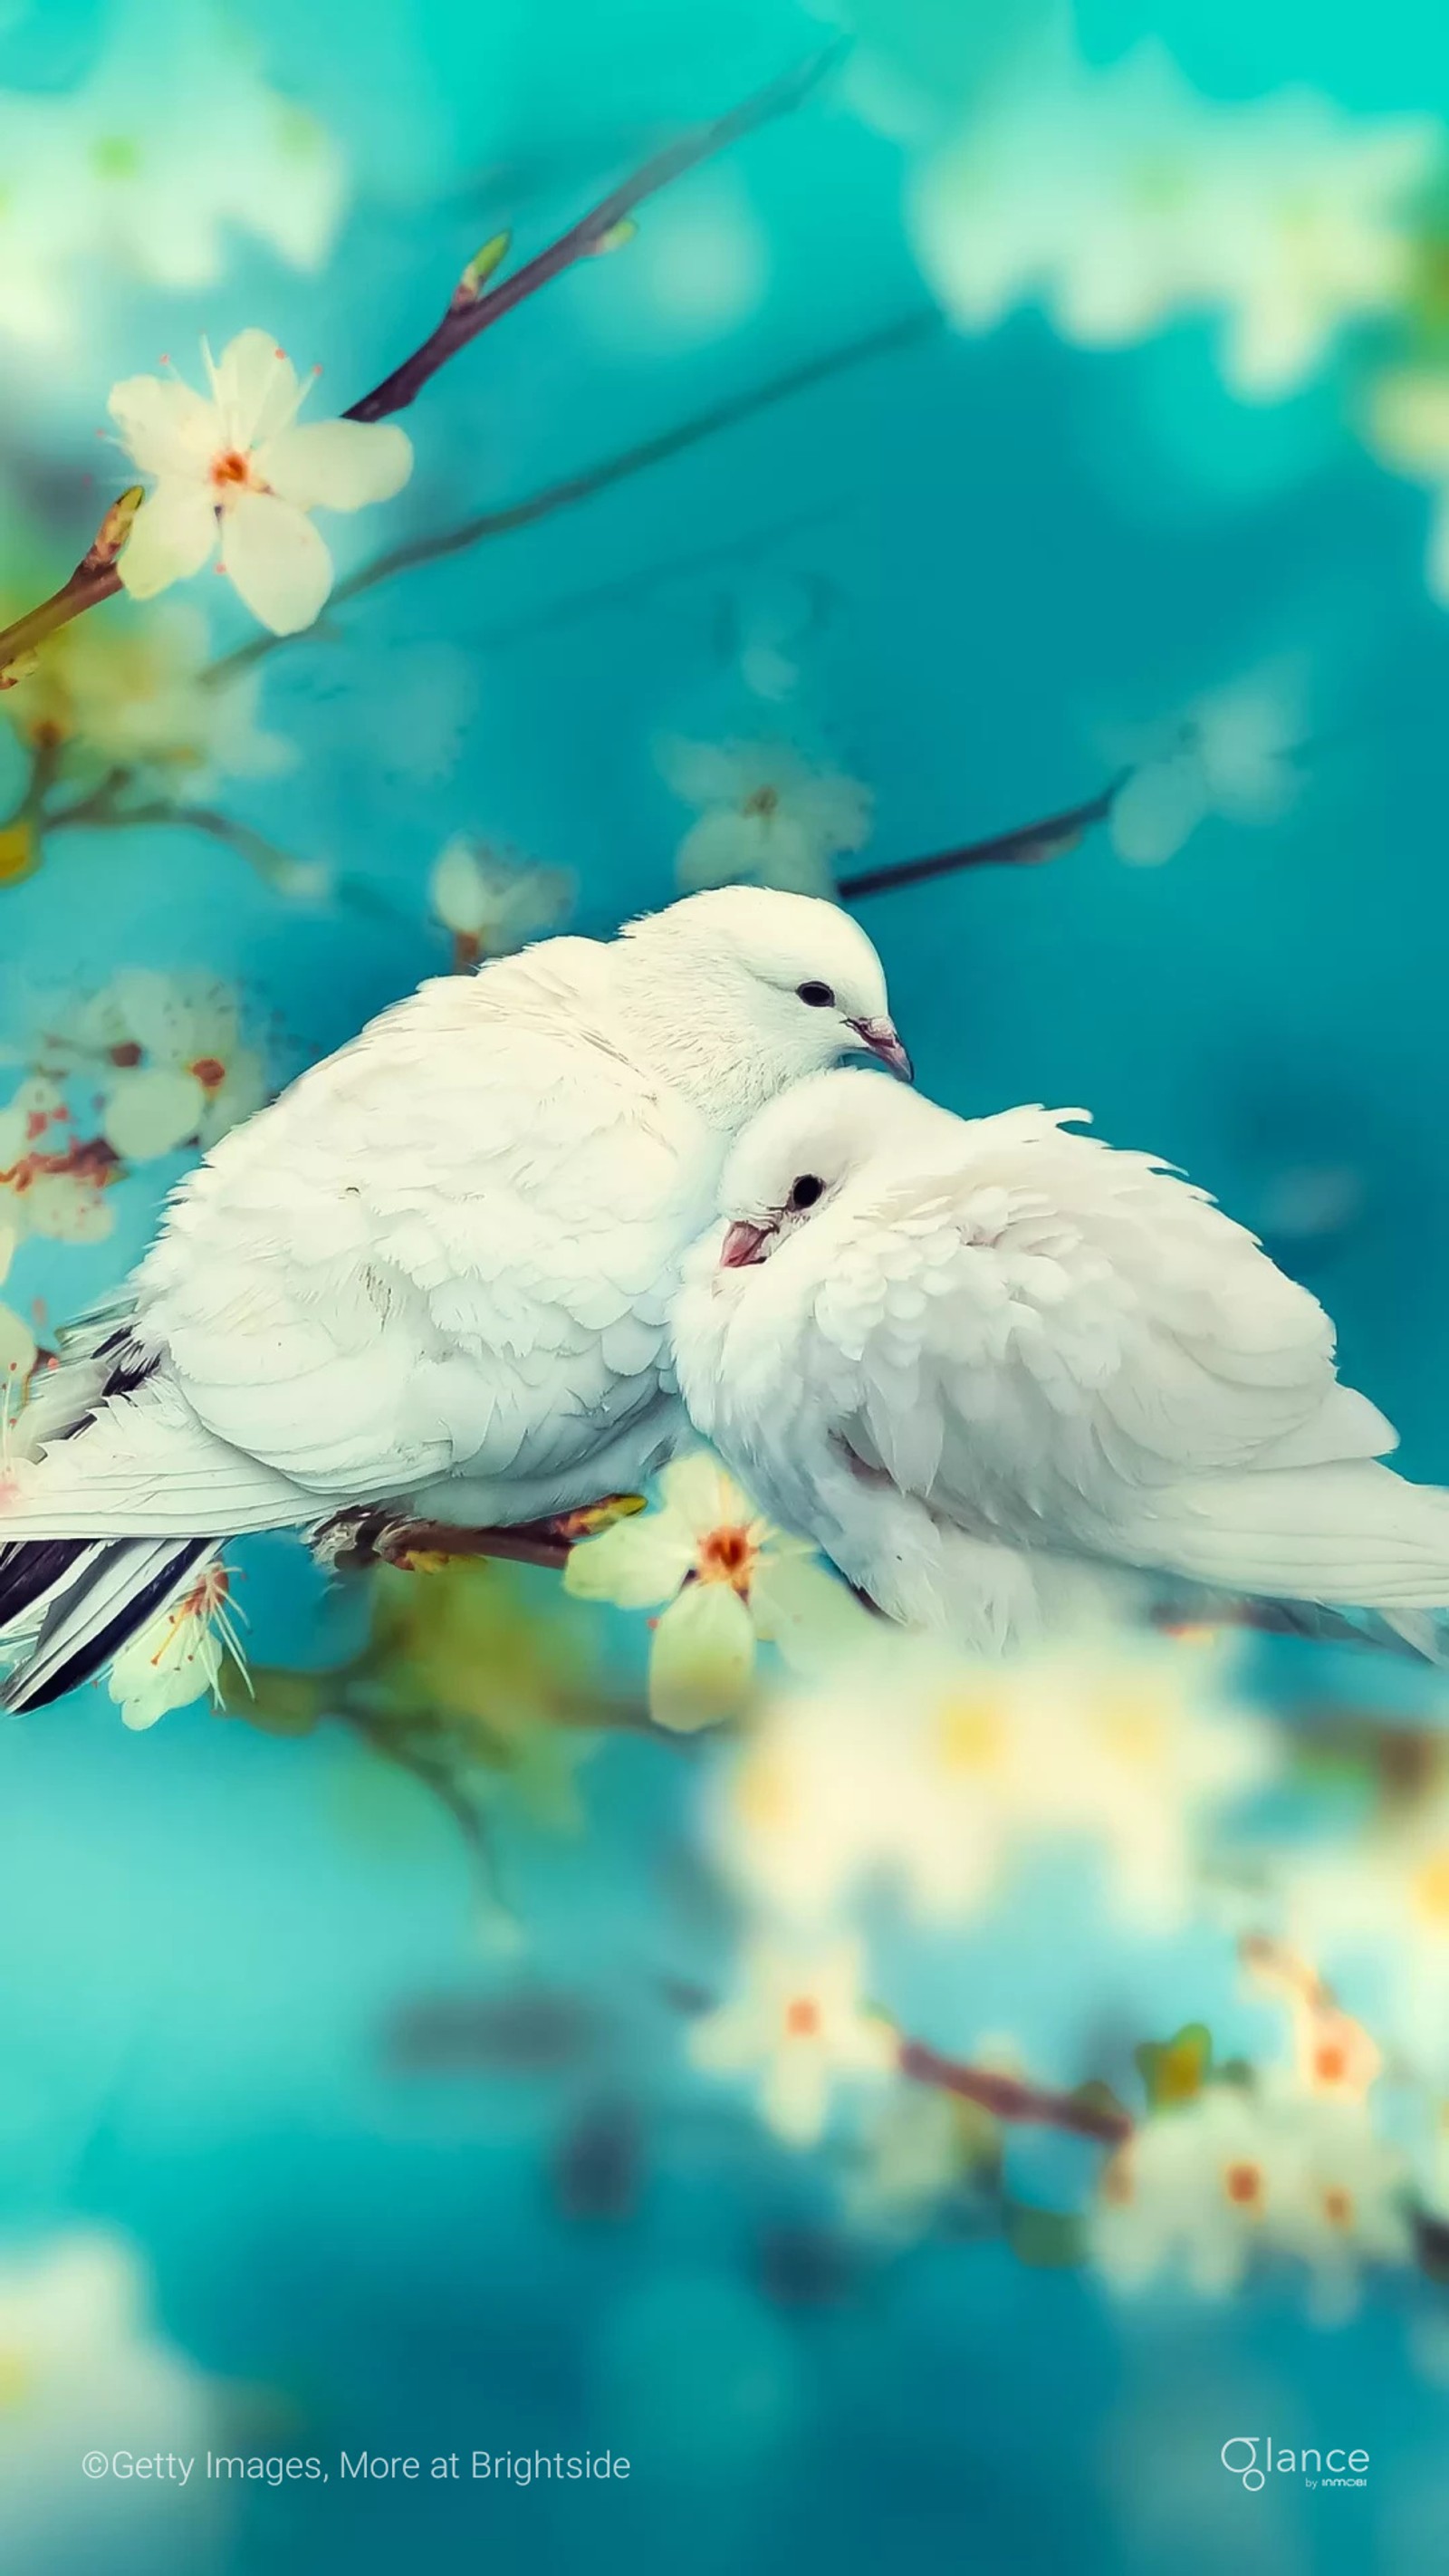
x: 169, y: 1053
x: 1333, y: 2055
x: 133, y: 693
x: 1382, y: 1900
x: 800, y: 2026
x: 1237, y: 753
x: 234, y: 467
x: 177, y: 1657
x: 1208, y: 2187
x: 17, y: 1341
x: 175, y: 140
x: 938, y: 1774
x: 1409, y: 429
x: 728, y: 1577
x: 918, y: 2150
x: 1118, y: 198
x: 82, y: 2368
x: 765, y: 813
x: 493, y: 904
x: 53, y: 1181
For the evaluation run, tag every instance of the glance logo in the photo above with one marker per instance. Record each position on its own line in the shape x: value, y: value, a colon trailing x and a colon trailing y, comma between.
x: 1254, y: 2457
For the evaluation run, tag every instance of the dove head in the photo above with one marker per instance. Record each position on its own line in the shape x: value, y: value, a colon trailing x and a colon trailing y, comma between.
x: 803, y: 1155
x: 736, y: 994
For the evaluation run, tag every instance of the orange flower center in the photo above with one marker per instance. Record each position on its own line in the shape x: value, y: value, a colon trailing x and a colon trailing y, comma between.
x: 1243, y: 2184
x: 727, y: 1556
x: 1338, y: 2206
x: 233, y: 466
x: 127, y: 1053
x: 802, y: 2018
x: 1330, y: 2062
x: 765, y: 801
x: 210, y: 1072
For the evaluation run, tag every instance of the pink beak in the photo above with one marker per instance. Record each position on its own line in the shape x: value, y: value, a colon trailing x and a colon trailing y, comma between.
x: 878, y: 1037
x: 743, y: 1245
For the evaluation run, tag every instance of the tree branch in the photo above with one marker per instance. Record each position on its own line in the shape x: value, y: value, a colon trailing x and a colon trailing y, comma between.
x: 1029, y: 845
x: 1008, y: 2098
x: 468, y: 313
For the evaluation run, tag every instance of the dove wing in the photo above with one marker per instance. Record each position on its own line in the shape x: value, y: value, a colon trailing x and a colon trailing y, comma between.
x: 444, y: 1247
x: 1039, y: 1338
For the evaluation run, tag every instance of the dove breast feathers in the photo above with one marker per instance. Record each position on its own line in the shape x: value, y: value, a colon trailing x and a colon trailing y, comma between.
x: 1025, y: 1328
x: 482, y: 1174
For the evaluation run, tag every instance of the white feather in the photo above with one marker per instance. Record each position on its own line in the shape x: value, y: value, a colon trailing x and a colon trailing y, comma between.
x: 1001, y: 1334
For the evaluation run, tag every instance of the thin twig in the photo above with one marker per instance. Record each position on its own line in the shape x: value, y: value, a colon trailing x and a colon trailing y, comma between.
x: 1010, y: 2099
x: 270, y: 862
x: 464, y: 320
x: 1029, y: 845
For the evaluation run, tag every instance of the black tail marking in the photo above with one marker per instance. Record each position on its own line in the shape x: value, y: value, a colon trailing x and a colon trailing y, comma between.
x: 28, y: 1568
x: 98, y: 1650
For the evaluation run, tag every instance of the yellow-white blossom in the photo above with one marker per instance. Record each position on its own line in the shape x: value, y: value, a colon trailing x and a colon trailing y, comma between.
x: 84, y: 2369
x: 726, y: 1578
x: 177, y: 1657
x: 798, y: 2024
x: 131, y: 693
x: 939, y: 1774
x: 765, y: 813
x: 232, y: 467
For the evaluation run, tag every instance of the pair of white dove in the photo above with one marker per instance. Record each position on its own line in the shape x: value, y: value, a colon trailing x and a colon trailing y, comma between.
x: 984, y: 1363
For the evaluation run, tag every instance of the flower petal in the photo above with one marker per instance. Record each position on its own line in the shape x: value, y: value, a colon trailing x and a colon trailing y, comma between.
x: 277, y: 562
x: 336, y: 464
x: 172, y: 536
x: 256, y: 389
x: 703, y: 1658
x: 703, y: 1495
x: 151, y: 1111
x: 167, y: 428
x: 634, y: 1564
x: 811, y: 1615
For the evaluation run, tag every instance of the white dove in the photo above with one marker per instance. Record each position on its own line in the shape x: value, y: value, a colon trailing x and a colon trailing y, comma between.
x: 439, y: 1266
x: 984, y: 1362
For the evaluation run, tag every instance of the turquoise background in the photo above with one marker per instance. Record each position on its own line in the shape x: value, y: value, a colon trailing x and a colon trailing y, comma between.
x: 993, y: 550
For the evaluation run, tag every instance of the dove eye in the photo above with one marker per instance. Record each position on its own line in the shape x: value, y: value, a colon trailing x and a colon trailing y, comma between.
x: 806, y: 1190
x: 819, y: 996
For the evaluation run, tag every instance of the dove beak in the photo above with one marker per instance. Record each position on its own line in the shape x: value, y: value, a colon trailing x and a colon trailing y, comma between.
x: 878, y: 1037
x: 743, y: 1244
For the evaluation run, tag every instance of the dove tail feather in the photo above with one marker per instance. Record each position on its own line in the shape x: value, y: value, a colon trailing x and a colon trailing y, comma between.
x: 118, y: 1587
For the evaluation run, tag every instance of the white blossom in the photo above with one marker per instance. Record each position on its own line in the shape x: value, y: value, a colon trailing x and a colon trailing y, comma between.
x: 492, y: 904
x: 1236, y: 752
x: 727, y: 1578
x: 800, y: 2026
x: 114, y: 692
x: 1118, y: 198
x: 765, y: 813
x: 131, y: 172
x: 173, y: 1066
x: 233, y: 467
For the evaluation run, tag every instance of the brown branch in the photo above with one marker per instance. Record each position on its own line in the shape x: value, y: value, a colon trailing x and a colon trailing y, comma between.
x: 96, y: 578
x: 1008, y: 2098
x: 468, y: 314
x: 101, y: 813
x: 1029, y: 845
